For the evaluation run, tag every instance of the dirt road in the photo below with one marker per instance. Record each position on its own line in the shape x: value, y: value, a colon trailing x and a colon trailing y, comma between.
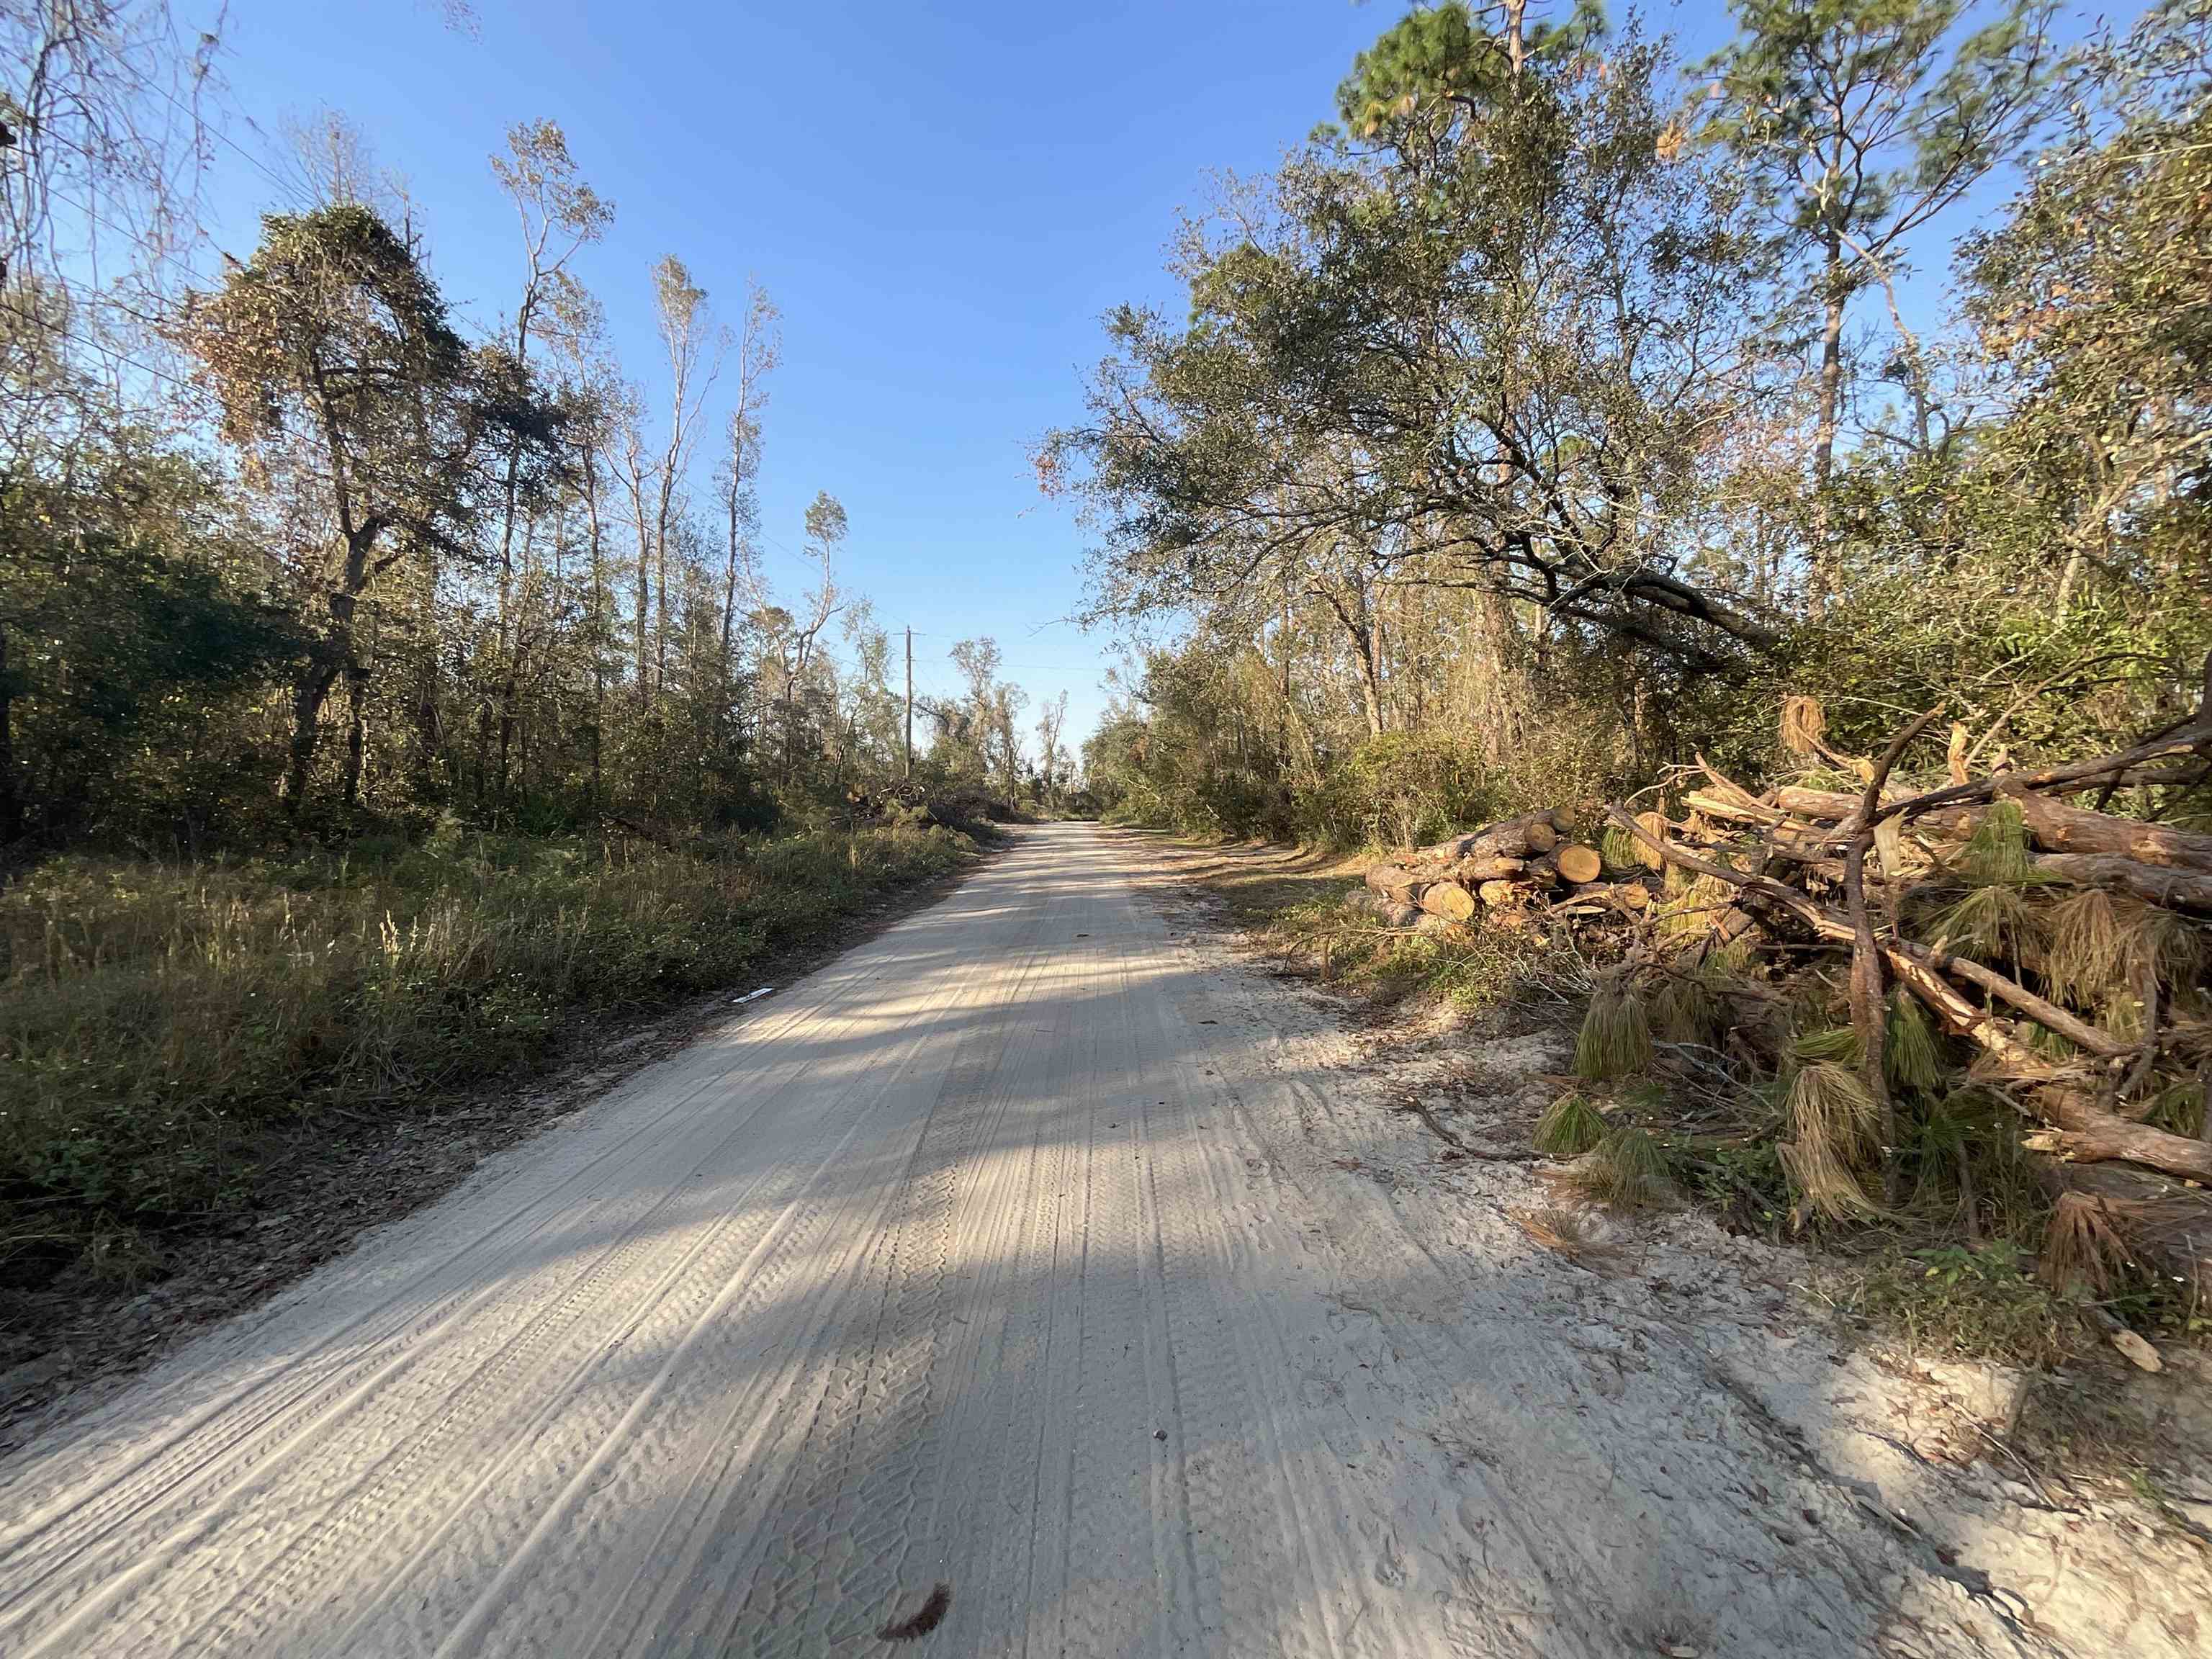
x: 1028, y: 1251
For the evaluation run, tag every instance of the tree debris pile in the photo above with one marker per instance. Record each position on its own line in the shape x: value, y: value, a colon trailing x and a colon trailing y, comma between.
x: 915, y: 803
x: 1883, y: 964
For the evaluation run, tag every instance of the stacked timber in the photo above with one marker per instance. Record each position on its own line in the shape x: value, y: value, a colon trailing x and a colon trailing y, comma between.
x: 1513, y: 868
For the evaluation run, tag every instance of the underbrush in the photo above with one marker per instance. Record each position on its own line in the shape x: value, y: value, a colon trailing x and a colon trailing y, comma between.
x: 1306, y: 908
x: 1473, y: 969
x: 156, y: 1018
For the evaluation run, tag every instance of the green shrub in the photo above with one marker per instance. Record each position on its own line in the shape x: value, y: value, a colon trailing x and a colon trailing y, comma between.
x: 1403, y: 789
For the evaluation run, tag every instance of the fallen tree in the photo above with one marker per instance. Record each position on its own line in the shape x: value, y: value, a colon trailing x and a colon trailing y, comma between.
x: 2056, y: 950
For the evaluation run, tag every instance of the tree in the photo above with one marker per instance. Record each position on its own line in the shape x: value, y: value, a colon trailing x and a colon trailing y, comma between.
x: 559, y: 215
x: 1494, y: 349
x: 791, y: 639
x: 2093, y: 297
x: 760, y: 348
x: 340, y: 380
x: 1862, y: 120
x: 694, y: 349
x: 1051, y: 757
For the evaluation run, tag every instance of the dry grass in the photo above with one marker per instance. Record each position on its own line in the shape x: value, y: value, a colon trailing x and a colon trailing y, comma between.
x: 1569, y: 1232
x: 1308, y: 908
x: 154, y: 1017
x: 1831, y: 1119
x: 2082, y: 1249
x: 1824, y: 1181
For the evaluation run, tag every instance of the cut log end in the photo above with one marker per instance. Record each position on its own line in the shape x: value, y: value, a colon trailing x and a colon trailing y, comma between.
x: 1578, y: 863
x: 1448, y: 899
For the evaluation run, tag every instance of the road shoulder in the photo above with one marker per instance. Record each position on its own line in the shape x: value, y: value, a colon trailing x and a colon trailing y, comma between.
x: 1687, y: 1361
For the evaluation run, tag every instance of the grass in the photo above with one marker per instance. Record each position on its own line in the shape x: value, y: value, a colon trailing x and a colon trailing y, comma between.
x: 1972, y: 1304
x: 156, y: 1017
x: 1302, y: 908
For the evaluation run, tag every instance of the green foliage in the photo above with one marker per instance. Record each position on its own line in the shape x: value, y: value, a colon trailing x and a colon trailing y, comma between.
x: 1997, y: 854
x: 1628, y: 1167
x: 1993, y: 924
x: 1402, y: 789
x: 1744, y: 1183
x: 1912, y: 1053
x: 1615, y: 1040
x: 1836, y: 1045
x: 1569, y: 1126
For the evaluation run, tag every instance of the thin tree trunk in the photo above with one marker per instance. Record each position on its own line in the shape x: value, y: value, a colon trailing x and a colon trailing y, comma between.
x: 307, y: 696
x: 356, y: 678
x: 11, y: 804
x: 1826, y: 417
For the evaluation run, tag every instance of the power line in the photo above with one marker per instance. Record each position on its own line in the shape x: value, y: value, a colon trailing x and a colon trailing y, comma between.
x: 52, y: 327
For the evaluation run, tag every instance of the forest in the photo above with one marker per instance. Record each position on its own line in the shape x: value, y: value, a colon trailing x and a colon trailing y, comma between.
x: 1619, y: 471
x: 384, y: 698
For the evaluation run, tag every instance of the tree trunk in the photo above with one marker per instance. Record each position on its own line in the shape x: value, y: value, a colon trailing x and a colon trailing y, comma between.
x: 356, y: 678
x: 11, y: 804
x: 2060, y: 828
x: 1826, y: 420
x: 307, y: 696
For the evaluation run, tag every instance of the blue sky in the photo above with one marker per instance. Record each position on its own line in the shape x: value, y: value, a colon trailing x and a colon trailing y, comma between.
x: 942, y: 200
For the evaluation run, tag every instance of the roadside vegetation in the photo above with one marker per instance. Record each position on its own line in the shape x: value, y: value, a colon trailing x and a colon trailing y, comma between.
x: 393, y: 702
x: 156, y: 1019
x: 1537, y: 433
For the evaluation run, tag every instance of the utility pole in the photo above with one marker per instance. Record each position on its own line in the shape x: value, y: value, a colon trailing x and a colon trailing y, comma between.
x: 909, y: 703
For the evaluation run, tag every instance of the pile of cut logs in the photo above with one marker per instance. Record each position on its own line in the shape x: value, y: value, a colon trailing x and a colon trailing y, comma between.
x: 1509, y: 870
x: 1862, y: 878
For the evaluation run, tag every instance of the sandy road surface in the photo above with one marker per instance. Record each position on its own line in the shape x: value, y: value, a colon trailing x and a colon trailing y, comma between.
x: 1009, y: 1252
